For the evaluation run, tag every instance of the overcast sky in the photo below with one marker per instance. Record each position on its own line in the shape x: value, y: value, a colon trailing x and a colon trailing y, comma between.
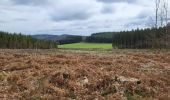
x: 77, y: 17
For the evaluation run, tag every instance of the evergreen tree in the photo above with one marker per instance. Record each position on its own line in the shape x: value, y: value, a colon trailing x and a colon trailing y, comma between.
x: 19, y: 41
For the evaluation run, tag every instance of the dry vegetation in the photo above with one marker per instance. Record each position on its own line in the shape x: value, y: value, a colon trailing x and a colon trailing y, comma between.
x: 84, y: 75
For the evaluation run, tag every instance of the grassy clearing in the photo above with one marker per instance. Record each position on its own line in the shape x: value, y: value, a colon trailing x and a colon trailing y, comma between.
x: 87, y: 46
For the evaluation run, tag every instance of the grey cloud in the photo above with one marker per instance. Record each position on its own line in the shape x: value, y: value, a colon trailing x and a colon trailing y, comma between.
x: 142, y: 19
x: 131, y: 24
x: 107, y: 9
x: 70, y: 15
x: 2, y: 12
x: 145, y: 22
x: 90, y: 15
x: 21, y: 19
x: 30, y: 2
x: 1, y: 21
x: 150, y: 22
x: 116, y: 1
x: 12, y: 20
x: 144, y: 14
x: 50, y: 30
x: 145, y: 17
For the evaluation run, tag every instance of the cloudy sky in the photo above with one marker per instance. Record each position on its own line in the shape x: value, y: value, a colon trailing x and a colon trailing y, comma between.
x: 77, y: 17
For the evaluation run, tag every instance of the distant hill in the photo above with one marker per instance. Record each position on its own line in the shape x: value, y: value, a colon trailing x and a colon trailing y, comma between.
x: 62, y: 39
x: 103, y: 34
x: 46, y: 37
x: 103, y: 37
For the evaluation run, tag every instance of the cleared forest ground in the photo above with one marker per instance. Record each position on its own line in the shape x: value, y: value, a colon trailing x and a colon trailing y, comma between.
x: 85, y: 74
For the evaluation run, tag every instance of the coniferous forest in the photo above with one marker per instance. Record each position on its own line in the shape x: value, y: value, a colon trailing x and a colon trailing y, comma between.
x: 103, y: 37
x: 142, y: 39
x: 18, y: 41
x: 134, y: 39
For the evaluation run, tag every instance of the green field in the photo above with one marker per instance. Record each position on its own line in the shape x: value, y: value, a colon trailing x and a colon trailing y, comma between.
x: 87, y: 46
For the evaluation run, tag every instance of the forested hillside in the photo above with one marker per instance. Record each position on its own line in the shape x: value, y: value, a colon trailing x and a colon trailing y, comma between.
x: 103, y: 34
x: 104, y: 37
x: 61, y: 39
x: 67, y: 39
x: 18, y: 41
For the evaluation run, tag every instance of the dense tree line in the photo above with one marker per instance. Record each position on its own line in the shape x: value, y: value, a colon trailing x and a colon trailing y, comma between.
x: 70, y: 39
x: 144, y: 38
x: 18, y: 41
x: 104, y: 37
x: 103, y: 34
x: 93, y: 39
x: 139, y: 38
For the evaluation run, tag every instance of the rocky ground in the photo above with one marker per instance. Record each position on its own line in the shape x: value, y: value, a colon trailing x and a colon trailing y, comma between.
x: 85, y: 74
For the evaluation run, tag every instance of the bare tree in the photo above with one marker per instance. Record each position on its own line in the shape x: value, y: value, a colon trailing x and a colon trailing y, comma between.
x: 162, y: 13
x: 165, y: 6
x: 157, y: 8
x: 157, y: 4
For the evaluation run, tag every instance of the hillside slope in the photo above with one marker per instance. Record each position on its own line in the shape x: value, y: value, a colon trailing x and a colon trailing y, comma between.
x: 61, y: 39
